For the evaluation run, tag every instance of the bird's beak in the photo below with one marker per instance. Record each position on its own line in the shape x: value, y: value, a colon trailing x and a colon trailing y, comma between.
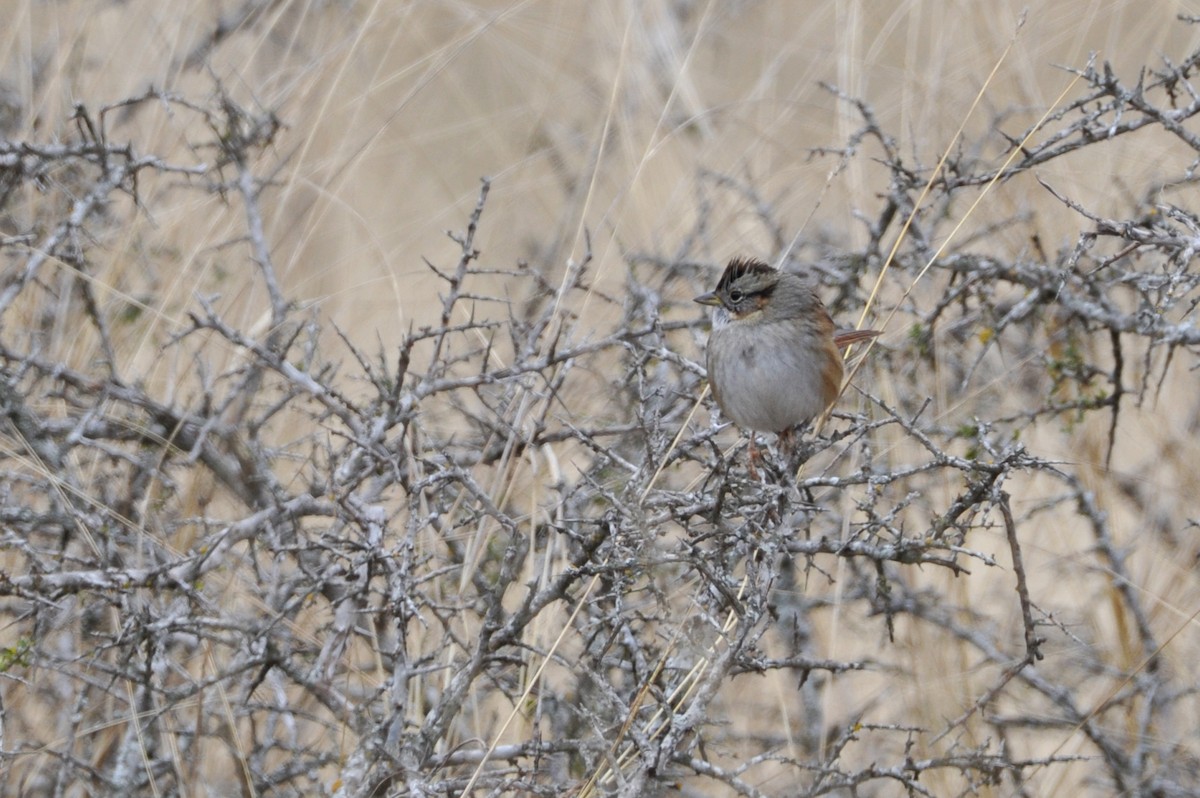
x: 708, y: 299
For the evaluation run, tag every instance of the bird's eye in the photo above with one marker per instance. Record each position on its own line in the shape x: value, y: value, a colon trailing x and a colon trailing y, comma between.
x: 736, y: 295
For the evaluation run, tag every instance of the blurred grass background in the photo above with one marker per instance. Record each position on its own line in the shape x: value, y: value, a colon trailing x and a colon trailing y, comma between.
x: 583, y: 114
x: 601, y: 116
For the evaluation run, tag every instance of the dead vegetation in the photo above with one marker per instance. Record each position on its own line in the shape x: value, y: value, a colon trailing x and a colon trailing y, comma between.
x: 511, y: 554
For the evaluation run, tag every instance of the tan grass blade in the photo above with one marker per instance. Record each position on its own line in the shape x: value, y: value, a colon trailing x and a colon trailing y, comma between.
x: 677, y: 699
x: 579, y: 604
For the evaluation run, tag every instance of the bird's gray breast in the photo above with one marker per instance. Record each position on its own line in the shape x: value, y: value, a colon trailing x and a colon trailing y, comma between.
x: 761, y: 378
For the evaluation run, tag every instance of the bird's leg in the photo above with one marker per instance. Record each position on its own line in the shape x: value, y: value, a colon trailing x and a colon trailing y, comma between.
x: 787, y: 441
x: 794, y: 448
x: 754, y: 457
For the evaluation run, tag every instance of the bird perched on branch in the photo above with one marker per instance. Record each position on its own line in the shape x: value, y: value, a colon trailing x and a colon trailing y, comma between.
x: 774, y: 359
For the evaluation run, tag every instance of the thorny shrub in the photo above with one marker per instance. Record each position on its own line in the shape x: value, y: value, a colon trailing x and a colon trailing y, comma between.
x: 512, y: 554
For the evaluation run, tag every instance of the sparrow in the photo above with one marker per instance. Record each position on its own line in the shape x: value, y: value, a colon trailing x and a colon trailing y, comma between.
x: 774, y: 356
